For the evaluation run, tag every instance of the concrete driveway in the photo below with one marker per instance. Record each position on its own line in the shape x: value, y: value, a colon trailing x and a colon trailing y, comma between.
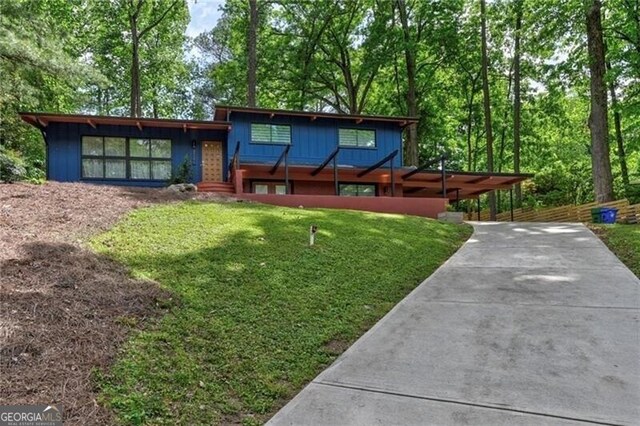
x: 528, y: 324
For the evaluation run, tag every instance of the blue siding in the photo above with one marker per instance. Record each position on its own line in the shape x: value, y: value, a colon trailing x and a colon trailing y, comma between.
x: 64, y: 148
x: 313, y: 141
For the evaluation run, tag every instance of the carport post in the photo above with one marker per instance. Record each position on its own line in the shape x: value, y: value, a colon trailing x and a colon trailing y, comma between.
x: 286, y: 172
x: 478, y: 207
x: 511, y: 202
x: 335, y: 175
x: 393, y: 179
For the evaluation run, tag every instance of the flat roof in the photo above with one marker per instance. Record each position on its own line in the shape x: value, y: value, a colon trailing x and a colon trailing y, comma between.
x: 42, y: 120
x: 221, y: 113
x: 459, y: 184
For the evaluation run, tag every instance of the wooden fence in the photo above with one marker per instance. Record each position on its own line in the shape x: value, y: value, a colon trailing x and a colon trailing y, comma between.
x: 582, y: 213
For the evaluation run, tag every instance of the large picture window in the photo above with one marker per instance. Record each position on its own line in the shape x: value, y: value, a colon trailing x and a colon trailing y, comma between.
x: 358, y: 138
x: 357, y: 190
x: 271, y: 133
x: 105, y: 157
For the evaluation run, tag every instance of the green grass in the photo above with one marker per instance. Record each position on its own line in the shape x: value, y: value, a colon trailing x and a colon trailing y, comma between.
x: 624, y: 241
x: 259, y: 312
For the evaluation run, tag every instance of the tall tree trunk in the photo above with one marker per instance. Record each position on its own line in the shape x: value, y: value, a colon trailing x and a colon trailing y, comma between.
x: 503, y: 136
x: 617, y: 122
x: 138, y: 34
x: 503, y: 130
x: 470, y: 104
x: 154, y: 102
x: 100, y: 102
x: 598, y: 120
x: 136, y: 107
x: 252, y: 59
x: 469, y: 128
x: 487, y: 105
x: 517, y: 105
x: 411, y: 148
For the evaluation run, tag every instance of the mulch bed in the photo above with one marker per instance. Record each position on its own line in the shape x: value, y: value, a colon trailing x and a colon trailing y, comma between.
x: 64, y: 310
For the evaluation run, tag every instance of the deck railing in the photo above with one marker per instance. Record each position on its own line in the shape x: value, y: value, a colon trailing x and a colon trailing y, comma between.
x: 283, y: 157
x: 234, y: 164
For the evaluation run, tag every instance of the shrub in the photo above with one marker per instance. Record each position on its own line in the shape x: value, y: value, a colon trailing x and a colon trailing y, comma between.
x: 35, y: 172
x: 632, y: 192
x: 12, y: 167
x: 183, y: 173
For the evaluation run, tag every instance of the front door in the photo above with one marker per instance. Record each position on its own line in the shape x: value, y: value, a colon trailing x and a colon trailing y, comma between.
x: 212, y: 162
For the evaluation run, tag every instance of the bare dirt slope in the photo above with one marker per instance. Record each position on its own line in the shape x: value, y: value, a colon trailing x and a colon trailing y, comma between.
x: 64, y: 310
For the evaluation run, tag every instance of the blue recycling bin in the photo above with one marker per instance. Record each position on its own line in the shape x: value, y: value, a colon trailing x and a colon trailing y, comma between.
x: 608, y: 215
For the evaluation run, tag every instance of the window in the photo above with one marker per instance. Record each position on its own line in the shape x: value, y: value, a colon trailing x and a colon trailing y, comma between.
x: 105, y: 157
x: 357, y: 190
x: 260, y: 188
x: 359, y: 138
x: 276, y: 188
x: 270, y: 133
x: 150, y: 159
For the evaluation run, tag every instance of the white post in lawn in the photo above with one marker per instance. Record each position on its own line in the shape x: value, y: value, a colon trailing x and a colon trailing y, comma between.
x: 312, y: 234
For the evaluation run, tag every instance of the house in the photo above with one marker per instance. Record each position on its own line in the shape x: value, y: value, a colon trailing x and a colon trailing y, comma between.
x: 277, y: 156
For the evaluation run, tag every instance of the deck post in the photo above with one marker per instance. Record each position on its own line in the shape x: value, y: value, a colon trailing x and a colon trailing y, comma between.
x: 335, y: 175
x: 457, y: 199
x: 286, y: 172
x: 393, y: 180
x: 511, y: 202
x: 478, y: 207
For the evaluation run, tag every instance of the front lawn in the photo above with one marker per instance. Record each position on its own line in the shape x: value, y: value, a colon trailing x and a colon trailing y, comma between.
x: 258, y: 313
x: 624, y: 241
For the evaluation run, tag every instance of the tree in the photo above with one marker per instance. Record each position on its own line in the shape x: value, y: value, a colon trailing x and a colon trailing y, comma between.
x: 252, y: 64
x: 155, y: 13
x: 127, y: 36
x: 598, y: 119
x: 411, y: 146
x: 350, y: 55
x: 621, y: 24
x: 487, y: 104
x: 226, y: 57
x: 41, y: 69
x: 617, y: 123
x: 517, y: 102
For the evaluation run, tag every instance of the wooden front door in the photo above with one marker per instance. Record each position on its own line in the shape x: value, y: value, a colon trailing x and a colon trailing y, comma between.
x: 212, y: 162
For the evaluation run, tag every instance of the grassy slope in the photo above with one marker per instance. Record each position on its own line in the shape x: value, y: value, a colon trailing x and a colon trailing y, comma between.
x: 260, y: 313
x: 624, y: 241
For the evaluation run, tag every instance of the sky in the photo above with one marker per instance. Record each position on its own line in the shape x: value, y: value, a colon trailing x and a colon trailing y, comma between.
x: 204, y: 15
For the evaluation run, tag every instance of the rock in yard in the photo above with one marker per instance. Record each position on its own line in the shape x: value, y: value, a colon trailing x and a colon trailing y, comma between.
x: 182, y: 187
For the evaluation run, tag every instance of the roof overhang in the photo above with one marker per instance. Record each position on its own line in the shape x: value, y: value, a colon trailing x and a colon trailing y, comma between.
x: 222, y: 112
x: 428, y: 183
x: 459, y: 184
x: 42, y: 120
